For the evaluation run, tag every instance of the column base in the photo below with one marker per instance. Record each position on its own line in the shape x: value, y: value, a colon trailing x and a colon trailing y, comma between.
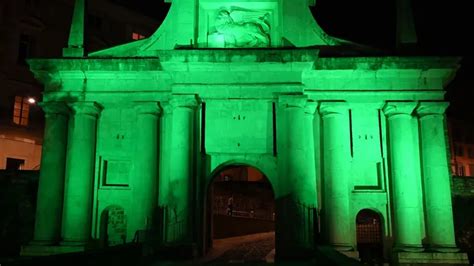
x: 73, y: 243
x: 342, y: 247
x: 42, y: 243
x: 429, y: 258
x: 444, y: 249
x: 42, y: 250
x: 409, y: 248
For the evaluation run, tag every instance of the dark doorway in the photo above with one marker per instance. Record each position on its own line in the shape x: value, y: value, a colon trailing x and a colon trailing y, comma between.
x: 113, y: 226
x: 15, y: 164
x: 241, y: 214
x: 369, y: 237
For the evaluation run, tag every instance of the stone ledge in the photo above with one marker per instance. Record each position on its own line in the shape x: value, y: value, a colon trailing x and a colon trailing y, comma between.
x: 427, y: 258
x: 36, y: 250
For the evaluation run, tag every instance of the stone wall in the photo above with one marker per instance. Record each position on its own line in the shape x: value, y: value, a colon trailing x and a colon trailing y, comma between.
x: 17, y: 204
x: 463, y: 211
x: 462, y: 186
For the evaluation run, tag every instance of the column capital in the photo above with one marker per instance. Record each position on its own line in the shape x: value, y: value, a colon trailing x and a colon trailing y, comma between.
x: 52, y: 108
x: 166, y: 107
x: 431, y: 108
x: 398, y: 108
x: 293, y: 100
x: 338, y: 107
x: 86, y: 108
x: 310, y: 108
x: 186, y: 100
x: 151, y: 108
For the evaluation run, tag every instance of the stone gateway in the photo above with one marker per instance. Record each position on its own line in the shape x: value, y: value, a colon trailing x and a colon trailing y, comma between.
x: 135, y: 133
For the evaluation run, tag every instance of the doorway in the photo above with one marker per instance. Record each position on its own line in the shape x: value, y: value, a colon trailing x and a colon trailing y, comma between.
x: 113, y: 225
x: 369, y: 237
x: 240, y: 215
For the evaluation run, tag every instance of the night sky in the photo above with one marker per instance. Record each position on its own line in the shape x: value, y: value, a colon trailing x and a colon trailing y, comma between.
x: 443, y: 28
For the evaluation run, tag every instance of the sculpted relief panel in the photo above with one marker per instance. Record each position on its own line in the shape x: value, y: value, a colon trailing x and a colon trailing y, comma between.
x: 239, y: 28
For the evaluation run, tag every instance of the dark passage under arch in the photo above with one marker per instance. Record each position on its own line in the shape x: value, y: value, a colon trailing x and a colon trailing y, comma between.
x: 369, y: 237
x: 241, y: 205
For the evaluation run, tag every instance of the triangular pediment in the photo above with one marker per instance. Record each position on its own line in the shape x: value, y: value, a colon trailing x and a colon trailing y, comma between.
x: 225, y: 24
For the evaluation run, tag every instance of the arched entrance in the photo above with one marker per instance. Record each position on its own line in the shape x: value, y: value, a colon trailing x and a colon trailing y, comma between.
x: 240, y: 214
x: 369, y: 237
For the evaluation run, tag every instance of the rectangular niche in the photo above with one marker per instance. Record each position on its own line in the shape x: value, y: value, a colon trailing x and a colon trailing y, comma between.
x: 115, y: 173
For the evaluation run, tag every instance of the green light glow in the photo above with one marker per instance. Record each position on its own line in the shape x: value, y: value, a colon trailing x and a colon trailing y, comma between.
x: 150, y: 124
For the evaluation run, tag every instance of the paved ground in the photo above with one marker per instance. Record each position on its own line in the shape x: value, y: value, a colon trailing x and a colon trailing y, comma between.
x: 255, y: 249
x: 258, y: 249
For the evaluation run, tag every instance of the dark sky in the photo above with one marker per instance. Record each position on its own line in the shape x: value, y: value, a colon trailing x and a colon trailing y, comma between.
x: 443, y: 28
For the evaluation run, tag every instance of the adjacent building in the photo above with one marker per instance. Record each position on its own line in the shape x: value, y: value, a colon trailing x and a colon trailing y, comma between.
x: 461, y: 140
x: 39, y: 28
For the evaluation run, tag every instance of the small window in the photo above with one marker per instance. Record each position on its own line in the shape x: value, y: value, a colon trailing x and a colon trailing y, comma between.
x: 471, y: 169
x: 137, y: 36
x: 15, y: 164
x: 21, y: 111
x: 459, y: 150
x: 461, y: 170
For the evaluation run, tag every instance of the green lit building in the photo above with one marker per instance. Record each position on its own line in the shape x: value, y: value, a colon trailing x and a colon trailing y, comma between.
x: 141, y: 129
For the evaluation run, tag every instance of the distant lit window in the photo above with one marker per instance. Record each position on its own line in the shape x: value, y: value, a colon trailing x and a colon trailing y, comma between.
x: 137, y: 36
x: 471, y: 170
x: 461, y: 170
x: 459, y: 150
x: 470, y: 152
x: 21, y: 111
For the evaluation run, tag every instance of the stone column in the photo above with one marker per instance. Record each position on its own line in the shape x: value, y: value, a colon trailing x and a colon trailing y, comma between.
x: 437, y: 187
x: 336, y: 167
x: 51, y: 181
x: 164, y: 179
x: 165, y: 131
x: 181, y: 169
x: 296, y: 207
x: 404, y: 174
x: 77, y: 211
x: 146, y: 185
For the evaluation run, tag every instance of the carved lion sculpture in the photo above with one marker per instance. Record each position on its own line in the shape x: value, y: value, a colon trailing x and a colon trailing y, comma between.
x: 243, y: 29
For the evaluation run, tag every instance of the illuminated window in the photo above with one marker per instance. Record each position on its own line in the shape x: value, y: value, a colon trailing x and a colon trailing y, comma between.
x: 461, y: 170
x: 21, y: 111
x: 137, y: 36
x: 471, y: 170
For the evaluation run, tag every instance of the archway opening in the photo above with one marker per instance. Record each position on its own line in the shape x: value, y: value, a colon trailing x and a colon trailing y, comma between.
x: 241, y: 215
x: 369, y: 237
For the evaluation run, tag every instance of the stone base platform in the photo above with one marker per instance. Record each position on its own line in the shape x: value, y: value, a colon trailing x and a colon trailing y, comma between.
x: 429, y: 258
x: 38, y: 250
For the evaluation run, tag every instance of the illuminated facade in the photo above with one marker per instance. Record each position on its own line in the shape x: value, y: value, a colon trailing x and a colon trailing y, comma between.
x: 143, y: 127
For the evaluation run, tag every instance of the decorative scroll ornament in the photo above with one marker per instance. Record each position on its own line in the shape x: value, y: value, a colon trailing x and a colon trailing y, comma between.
x: 242, y: 28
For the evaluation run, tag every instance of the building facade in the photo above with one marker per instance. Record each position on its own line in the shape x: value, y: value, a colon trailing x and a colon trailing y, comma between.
x: 35, y: 28
x: 461, y: 142
x: 143, y: 128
